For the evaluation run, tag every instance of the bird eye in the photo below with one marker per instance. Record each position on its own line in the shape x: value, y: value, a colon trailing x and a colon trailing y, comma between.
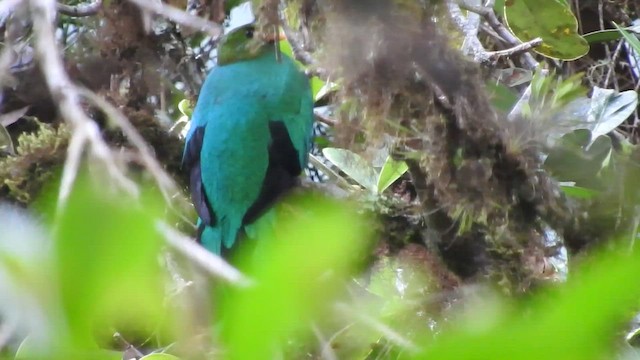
x: 249, y: 33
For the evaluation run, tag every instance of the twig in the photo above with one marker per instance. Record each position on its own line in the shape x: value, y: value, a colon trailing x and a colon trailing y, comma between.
x: 166, y: 184
x: 214, y: 265
x: 326, y: 352
x: 128, y: 348
x: 299, y: 53
x: 81, y: 10
x: 64, y: 93
x: 325, y: 119
x: 181, y: 17
x: 390, y: 334
x: 71, y: 166
x: 612, y: 65
x: 490, y: 16
x: 469, y: 25
x: 340, y: 181
x: 516, y: 50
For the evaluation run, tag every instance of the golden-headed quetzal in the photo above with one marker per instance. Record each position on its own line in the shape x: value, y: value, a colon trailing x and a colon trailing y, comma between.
x: 249, y: 137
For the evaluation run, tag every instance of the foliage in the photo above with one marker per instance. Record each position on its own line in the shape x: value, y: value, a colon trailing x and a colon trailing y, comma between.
x: 551, y: 20
x: 104, y: 271
x: 38, y: 157
x: 458, y: 256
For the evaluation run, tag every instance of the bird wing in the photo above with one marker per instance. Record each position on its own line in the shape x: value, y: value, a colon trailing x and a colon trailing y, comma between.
x: 290, y: 126
x: 191, y: 161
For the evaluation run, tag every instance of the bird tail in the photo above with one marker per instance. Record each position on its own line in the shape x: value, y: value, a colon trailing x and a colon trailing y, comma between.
x: 263, y: 226
x: 210, y: 238
x: 214, y: 238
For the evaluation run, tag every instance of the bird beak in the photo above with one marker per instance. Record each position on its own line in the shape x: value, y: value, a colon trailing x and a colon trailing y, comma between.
x: 273, y: 37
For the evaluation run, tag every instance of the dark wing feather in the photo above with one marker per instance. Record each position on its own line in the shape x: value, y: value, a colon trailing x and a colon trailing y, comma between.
x: 284, y: 168
x: 191, y: 160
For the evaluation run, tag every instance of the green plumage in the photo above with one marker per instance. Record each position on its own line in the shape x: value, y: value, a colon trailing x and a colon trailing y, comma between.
x: 249, y: 137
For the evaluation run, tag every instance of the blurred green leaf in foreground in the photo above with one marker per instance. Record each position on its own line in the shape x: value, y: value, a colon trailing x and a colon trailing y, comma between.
x: 99, y: 272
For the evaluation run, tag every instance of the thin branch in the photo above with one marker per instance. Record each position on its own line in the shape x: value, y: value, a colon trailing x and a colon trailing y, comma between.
x: 389, y: 333
x: 516, y: 50
x: 338, y: 180
x: 127, y: 346
x: 326, y: 351
x: 80, y: 10
x: 166, y: 184
x: 490, y: 16
x: 64, y: 93
x: 325, y: 119
x: 181, y: 17
x: 71, y: 166
x: 469, y: 25
x: 214, y: 265
x: 299, y: 53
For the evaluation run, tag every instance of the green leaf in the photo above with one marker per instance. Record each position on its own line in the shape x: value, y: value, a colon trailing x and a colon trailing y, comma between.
x: 631, y: 39
x: 578, y: 158
x: 297, y: 274
x: 107, y: 252
x: 579, y: 192
x: 502, y: 97
x: 185, y: 107
x: 511, y: 77
x: 353, y: 165
x: 599, y: 36
x: 391, y: 171
x: 325, y: 88
x: 608, y: 110
x: 6, y: 144
x: 551, y: 20
x: 575, y: 322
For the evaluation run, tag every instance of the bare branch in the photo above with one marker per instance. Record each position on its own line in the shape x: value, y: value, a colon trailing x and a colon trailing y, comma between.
x: 490, y: 16
x: 80, y: 10
x: 66, y: 96
x: 214, y: 265
x: 516, y: 50
x: 325, y: 119
x: 71, y: 166
x: 391, y: 334
x: 181, y: 17
x: 8, y: 5
x: 299, y: 53
x: 166, y: 184
x: 327, y: 352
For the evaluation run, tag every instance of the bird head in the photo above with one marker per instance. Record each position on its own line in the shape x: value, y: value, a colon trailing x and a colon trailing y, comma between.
x: 244, y: 43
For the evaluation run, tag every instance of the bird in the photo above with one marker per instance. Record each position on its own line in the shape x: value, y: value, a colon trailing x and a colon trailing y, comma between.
x: 249, y: 137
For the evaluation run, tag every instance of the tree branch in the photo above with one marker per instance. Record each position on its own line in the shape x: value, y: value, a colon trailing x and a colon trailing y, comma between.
x: 80, y: 10
x: 299, y: 53
x: 516, y: 50
x: 212, y: 264
x: 64, y: 93
x: 181, y: 17
x: 165, y: 182
x: 490, y: 16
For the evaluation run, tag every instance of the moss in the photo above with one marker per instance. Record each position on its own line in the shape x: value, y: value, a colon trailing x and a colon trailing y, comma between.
x: 39, y: 156
x: 484, y: 201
